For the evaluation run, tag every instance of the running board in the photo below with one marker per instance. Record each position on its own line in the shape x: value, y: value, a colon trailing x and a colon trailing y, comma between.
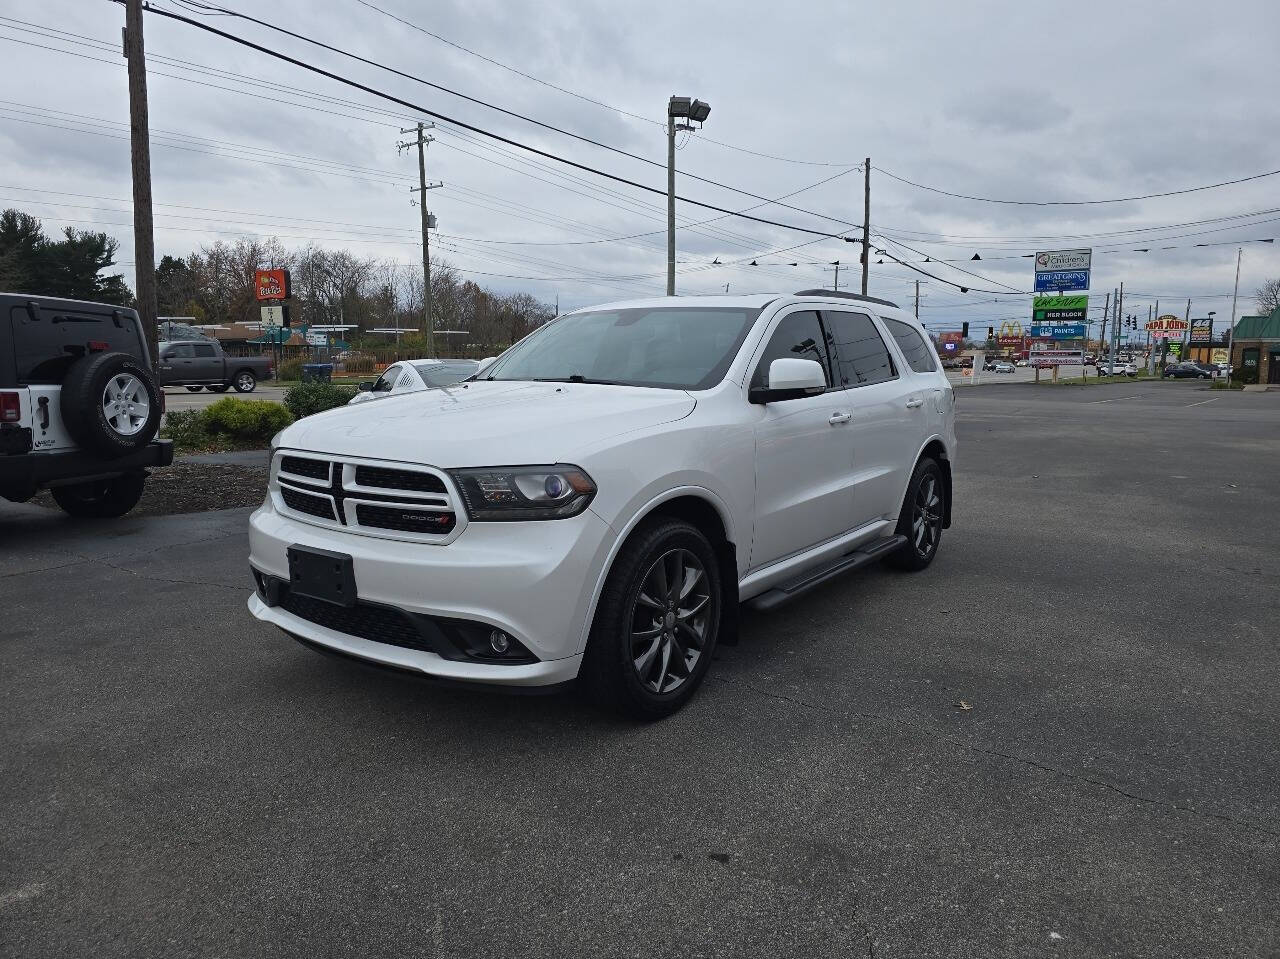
x: 779, y: 595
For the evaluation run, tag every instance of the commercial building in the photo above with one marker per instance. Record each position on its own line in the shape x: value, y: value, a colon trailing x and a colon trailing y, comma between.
x: 1255, y: 348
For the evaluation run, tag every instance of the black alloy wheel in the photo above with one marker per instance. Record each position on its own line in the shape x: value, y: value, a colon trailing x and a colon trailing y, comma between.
x: 920, y: 519
x: 669, y: 621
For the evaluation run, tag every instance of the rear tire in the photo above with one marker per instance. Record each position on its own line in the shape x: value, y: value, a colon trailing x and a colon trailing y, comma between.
x: 245, y: 382
x: 920, y: 520
x: 101, y: 499
x: 657, y: 622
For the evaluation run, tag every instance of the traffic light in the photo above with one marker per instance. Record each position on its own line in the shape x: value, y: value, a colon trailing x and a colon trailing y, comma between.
x: 991, y: 332
x: 964, y: 331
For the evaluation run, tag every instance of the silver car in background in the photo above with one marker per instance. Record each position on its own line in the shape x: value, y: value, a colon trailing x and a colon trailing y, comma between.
x: 410, y: 376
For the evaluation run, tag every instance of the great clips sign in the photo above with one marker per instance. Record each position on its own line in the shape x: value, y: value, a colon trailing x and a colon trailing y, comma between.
x: 271, y: 284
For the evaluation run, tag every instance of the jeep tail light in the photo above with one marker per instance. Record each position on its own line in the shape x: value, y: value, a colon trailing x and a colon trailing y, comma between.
x: 99, y: 346
x: 10, y: 408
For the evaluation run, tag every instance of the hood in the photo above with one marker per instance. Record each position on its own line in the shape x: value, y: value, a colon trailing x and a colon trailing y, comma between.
x: 487, y: 423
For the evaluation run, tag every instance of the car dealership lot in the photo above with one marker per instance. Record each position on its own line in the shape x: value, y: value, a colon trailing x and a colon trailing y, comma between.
x: 191, y: 782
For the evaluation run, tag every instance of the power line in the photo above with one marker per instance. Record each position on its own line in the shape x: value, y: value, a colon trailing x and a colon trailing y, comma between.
x: 468, y: 126
x: 583, y: 97
x: 463, y: 96
x: 1122, y: 199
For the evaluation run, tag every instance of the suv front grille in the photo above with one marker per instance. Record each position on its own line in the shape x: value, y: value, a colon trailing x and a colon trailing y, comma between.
x: 400, y: 502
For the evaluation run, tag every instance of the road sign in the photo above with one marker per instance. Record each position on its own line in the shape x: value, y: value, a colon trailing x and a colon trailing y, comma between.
x: 1062, y: 280
x: 317, y: 339
x: 271, y: 284
x: 1074, y: 308
x: 1057, y: 261
x: 272, y: 316
x: 1059, y: 331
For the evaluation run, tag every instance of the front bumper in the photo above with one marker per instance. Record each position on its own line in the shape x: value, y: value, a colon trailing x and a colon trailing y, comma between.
x: 532, y: 580
x: 34, y: 470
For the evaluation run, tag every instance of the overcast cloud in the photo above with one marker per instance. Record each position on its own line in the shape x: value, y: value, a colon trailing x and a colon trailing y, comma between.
x: 1023, y: 101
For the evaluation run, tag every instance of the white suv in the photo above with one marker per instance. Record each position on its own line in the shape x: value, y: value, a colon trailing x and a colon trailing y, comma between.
x: 597, y: 503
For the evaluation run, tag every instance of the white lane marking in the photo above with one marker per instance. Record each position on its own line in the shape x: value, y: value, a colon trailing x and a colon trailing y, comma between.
x: 1202, y: 402
x: 1115, y: 399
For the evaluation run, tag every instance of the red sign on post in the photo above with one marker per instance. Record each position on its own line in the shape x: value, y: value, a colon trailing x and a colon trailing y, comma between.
x: 271, y: 284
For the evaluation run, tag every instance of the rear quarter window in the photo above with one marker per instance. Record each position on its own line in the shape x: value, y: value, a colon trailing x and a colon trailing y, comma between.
x: 45, y: 346
x: 920, y: 356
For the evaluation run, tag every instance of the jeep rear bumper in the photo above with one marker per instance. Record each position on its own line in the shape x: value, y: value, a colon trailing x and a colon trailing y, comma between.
x: 34, y: 470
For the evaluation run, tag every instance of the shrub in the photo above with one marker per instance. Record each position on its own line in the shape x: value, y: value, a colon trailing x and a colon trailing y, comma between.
x: 245, y: 421
x: 307, y: 399
x: 290, y: 370
x: 186, y: 429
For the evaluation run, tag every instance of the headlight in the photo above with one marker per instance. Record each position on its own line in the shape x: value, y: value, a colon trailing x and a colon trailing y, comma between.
x: 275, y: 440
x: 524, y: 492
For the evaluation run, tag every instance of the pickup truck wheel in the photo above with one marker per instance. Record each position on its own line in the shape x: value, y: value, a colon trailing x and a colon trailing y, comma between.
x: 217, y: 388
x: 194, y: 389
x: 110, y: 403
x: 921, y: 518
x: 245, y: 382
x: 101, y: 499
x: 657, y: 622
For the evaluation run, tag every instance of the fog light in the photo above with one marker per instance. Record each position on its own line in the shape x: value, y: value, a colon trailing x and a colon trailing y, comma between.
x: 499, y: 642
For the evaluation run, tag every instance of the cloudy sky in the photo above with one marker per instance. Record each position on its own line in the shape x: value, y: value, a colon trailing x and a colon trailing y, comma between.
x: 1009, y: 101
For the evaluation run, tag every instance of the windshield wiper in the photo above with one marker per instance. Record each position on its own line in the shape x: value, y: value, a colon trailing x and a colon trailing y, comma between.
x: 577, y: 378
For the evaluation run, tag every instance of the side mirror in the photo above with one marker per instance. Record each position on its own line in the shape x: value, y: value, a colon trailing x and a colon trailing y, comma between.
x: 790, y: 379
x: 366, y: 387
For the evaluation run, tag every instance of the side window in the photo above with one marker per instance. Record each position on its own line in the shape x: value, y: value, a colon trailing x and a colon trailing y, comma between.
x: 800, y: 337
x: 204, y: 349
x: 863, y: 357
x: 179, y: 351
x: 920, y: 355
x: 386, y: 380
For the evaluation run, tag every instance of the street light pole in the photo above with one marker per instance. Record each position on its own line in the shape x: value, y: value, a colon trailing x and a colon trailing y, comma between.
x: 697, y: 112
x: 1232, y: 328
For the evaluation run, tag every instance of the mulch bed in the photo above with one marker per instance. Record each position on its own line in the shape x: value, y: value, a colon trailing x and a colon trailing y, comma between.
x: 187, y: 487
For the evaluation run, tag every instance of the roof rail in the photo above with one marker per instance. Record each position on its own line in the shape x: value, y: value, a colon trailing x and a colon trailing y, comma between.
x: 847, y: 296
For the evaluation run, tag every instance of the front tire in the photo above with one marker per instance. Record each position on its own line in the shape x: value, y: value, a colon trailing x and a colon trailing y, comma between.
x: 920, y: 520
x: 245, y: 382
x: 101, y: 499
x: 657, y: 622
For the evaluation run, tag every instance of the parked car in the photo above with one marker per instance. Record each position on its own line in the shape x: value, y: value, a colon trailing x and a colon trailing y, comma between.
x: 989, y: 365
x: 79, y: 405
x: 201, y: 364
x: 596, y: 505
x: 1190, y: 370
x: 1121, y: 369
x: 409, y: 376
x: 1002, y: 366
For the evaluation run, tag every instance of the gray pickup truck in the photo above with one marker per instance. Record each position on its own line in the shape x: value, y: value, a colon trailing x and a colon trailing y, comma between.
x: 201, y: 364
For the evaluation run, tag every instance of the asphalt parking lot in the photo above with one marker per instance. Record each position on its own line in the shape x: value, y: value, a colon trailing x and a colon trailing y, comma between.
x: 180, y: 780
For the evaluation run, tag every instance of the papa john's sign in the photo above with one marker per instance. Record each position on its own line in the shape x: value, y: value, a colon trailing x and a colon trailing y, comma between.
x: 1167, y: 327
x: 271, y: 284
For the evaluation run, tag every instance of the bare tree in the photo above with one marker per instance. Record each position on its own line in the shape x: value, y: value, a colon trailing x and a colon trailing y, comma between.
x: 1268, y: 296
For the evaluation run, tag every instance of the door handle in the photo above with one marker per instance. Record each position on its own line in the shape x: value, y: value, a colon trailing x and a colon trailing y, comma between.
x: 837, y: 418
x: 914, y: 402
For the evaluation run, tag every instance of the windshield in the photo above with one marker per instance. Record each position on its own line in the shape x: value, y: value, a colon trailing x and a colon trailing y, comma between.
x: 672, y: 347
x: 438, y: 374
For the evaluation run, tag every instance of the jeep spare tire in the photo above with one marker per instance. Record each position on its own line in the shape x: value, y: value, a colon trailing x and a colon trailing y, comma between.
x: 110, y: 403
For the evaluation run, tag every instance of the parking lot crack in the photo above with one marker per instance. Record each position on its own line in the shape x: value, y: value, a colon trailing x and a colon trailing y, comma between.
x: 163, y: 579
x: 1010, y: 757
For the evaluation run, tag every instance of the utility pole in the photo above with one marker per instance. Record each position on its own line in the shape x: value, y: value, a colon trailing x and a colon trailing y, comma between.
x: 1106, y: 316
x: 1186, y: 342
x: 144, y: 242
x: 421, y: 189
x: 1115, y: 327
x: 1232, y: 328
x: 866, y: 222
x: 917, y: 299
